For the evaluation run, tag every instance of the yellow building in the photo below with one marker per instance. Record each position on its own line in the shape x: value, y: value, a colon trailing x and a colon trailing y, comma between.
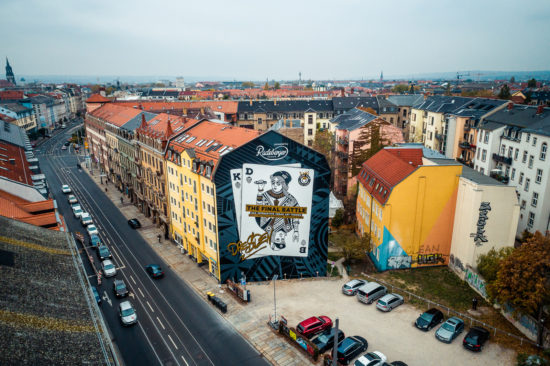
x: 190, y: 162
x: 406, y: 202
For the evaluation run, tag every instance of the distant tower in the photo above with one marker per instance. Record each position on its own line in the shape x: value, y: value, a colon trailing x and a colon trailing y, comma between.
x: 300, y: 77
x: 381, y: 76
x: 9, y: 73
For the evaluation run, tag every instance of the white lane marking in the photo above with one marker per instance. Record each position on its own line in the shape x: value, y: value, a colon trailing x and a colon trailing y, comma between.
x: 150, y: 307
x: 162, y: 325
x: 142, y: 295
x: 171, y: 340
x: 184, y: 361
x: 134, y: 281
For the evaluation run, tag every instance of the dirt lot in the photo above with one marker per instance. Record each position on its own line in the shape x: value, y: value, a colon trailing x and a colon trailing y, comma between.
x: 390, y: 333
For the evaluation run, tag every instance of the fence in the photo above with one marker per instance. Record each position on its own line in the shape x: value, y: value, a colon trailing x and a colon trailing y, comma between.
x: 463, y: 316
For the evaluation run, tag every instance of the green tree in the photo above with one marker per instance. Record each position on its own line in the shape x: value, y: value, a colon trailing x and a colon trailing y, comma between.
x: 324, y: 143
x: 512, y: 79
x: 488, y: 264
x: 448, y: 89
x: 532, y: 83
x: 277, y: 85
x: 247, y: 84
x: 266, y: 86
x: 338, y: 219
x: 350, y: 245
x: 504, y: 92
x: 369, y: 142
x: 400, y: 88
x: 523, y: 279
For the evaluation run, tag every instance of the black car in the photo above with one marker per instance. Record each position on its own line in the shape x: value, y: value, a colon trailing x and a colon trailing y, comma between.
x: 134, y: 223
x: 350, y: 347
x: 325, y: 340
x: 398, y: 363
x: 120, y: 289
x: 475, y: 339
x: 429, y: 319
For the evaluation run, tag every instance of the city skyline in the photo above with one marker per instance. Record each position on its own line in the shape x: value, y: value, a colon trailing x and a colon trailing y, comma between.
x: 256, y: 41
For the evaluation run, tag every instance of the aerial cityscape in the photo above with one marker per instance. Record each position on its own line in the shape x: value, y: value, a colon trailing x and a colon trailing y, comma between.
x: 288, y: 184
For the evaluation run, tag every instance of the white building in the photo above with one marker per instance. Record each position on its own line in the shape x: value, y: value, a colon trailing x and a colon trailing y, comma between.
x: 512, y: 146
x: 180, y: 83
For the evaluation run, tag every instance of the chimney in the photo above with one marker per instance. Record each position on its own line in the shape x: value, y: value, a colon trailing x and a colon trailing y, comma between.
x: 275, y: 102
x: 510, y: 106
x: 540, y: 109
x: 251, y: 102
x: 185, y: 111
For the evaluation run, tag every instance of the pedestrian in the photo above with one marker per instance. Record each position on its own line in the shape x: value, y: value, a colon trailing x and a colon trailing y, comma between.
x: 158, y: 236
x: 121, y: 200
x: 474, y: 303
x: 105, y: 189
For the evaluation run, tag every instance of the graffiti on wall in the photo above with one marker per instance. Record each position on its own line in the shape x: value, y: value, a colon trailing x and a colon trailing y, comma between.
x: 399, y: 262
x: 435, y: 258
x: 479, y: 236
x: 476, y: 282
x: 457, y: 263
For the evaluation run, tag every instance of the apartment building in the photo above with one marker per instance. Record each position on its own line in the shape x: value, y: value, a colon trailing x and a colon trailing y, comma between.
x: 404, y: 105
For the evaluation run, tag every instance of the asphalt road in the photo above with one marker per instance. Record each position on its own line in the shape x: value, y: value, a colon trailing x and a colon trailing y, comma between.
x: 175, y: 326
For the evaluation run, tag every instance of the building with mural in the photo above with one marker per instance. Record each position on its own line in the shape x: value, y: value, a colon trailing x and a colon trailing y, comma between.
x: 419, y: 207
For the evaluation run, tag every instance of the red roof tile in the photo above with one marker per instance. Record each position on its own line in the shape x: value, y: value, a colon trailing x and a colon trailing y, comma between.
x: 13, y: 163
x: 115, y: 114
x: 11, y: 94
x: 97, y: 98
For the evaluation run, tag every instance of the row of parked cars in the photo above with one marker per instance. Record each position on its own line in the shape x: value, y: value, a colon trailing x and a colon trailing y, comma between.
x: 368, y: 292
x: 321, y: 333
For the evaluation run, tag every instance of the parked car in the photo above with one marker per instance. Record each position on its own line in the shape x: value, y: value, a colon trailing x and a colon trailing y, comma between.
x: 154, y: 270
x: 134, y: 223
x: 389, y: 302
x: 72, y: 198
x: 314, y: 325
x: 325, y: 340
x: 96, y: 295
x: 67, y: 143
x: 351, y: 347
x: 398, y: 363
x: 65, y: 188
x: 77, y: 212
x: 120, y: 289
x: 95, y: 241
x: 85, y: 219
x: 92, y: 229
x: 475, y: 339
x: 109, y: 269
x: 75, y: 205
x: 350, y: 288
x: 370, y: 292
x: 103, y: 252
x: 371, y: 359
x: 127, y: 313
x: 450, y: 329
x: 429, y: 319
x: 63, y: 147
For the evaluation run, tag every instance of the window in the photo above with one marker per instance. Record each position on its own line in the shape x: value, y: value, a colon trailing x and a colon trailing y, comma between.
x: 310, y: 119
x: 527, y: 181
x: 524, y: 159
x: 543, y: 149
x: 260, y: 121
x: 478, y: 151
x: 510, y: 152
x: 414, y: 117
x: 513, y: 174
x: 534, y: 141
x: 503, y: 150
x: 531, y: 220
x: 520, y: 178
x: 430, y: 136
x: 516, y: 153
x: 523, y: 203
x: 486, y: 137
x: 538, y: 179
x: 528, y: 137
x: 310, y: 131
x: 535, y: 199
x: 484, y: 155
x: 432, y: 121
x: 531, y: 158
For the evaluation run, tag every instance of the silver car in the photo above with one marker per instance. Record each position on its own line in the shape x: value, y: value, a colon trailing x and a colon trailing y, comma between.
x: 109, y: 269
x: 127, y: 313
x: 389, y: 302
x: 350, y: 288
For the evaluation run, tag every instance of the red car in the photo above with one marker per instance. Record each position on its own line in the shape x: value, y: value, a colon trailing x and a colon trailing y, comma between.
x: 314, y: 325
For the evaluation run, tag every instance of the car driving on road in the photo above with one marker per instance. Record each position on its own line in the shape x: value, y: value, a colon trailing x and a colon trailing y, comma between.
x: 72, y: 198
x: 103, y: 252
x: 109, y: 269
x: 120, y: 289
x: 92, y: 230
x: 154, y: 270
x: 127, y: 313
x: 65, y: 188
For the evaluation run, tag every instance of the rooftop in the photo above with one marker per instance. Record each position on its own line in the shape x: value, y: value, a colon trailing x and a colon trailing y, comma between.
x: 353, y: 119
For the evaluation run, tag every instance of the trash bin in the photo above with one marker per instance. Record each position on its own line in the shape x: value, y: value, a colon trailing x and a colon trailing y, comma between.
x: 223, y: 307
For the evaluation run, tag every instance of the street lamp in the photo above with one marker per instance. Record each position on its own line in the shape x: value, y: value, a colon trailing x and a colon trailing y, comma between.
x: 275, y: 298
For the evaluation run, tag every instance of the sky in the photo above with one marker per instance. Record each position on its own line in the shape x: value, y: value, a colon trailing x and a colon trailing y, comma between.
x: 258, y: 39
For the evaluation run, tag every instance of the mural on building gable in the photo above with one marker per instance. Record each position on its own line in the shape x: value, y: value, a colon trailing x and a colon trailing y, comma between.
x: 479, y: 235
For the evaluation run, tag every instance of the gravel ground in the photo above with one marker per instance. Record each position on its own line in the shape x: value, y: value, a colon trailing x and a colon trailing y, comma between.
x: 390, y: 333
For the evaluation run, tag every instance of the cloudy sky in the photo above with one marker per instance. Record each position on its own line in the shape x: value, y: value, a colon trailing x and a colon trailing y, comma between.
x: 257, y: 39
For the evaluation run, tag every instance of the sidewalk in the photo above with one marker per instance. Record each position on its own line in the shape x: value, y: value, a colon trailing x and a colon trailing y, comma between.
x: 252, y: 326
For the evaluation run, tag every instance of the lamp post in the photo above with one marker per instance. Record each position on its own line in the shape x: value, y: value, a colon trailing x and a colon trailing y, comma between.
x: 275, y: 297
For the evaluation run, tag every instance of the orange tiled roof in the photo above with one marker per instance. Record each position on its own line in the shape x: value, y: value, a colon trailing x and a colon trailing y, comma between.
x: 115, y: 114
x: 23, y: 210
x: 16, y: 169
x: 97, y: 98
x: 213, y: 133
x: 164, y: 125
x: 225, y: 106
x: 11, y: 94
x: 6, y: 118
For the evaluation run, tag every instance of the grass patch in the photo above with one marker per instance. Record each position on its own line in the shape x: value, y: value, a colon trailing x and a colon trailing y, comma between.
x: 332, y: 271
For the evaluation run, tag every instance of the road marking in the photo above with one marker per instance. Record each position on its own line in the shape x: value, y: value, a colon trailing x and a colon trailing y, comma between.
x: 162, y: 325
x: 171, y: 340
x: 106, y: 298
x: 184, y: 361
x: 150, y: 307
x: 142, y: 295
x: 134, y: 281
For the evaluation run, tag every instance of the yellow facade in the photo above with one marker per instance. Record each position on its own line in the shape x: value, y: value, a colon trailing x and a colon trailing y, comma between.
x: 193, y: 212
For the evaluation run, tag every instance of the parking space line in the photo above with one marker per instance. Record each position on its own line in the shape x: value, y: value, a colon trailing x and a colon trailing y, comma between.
x: 150, y: 307
x: 162, y: 325
x: 142, y: 295
x: 171, y: 340
x: 132, y: 278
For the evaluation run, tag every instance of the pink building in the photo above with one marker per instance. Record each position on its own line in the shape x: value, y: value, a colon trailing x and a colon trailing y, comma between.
x: 349, y: 128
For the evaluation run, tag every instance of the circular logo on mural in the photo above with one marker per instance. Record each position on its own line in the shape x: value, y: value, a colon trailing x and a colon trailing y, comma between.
x: 304, y: 179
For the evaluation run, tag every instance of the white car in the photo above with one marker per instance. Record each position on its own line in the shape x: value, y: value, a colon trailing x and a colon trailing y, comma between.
x: 65, y: 188
x: 371, y: 359
x: 85, y: 219
x: 72, y: 199
x: 127, y: 313
x: 77, y: 212
x: 92, y: 230
x: 108, y: 268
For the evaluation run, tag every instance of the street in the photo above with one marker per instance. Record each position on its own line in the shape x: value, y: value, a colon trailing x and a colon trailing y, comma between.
x: 175, y: 326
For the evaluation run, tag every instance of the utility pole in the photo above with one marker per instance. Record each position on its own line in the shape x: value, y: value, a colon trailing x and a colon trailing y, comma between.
x: 335, y: 346
x: 275, y: 297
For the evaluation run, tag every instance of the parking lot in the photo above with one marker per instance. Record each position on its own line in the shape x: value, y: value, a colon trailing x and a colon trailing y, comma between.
x: 391, y: 333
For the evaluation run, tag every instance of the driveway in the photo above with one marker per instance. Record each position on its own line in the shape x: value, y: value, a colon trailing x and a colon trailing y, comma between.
x: 392, y: 333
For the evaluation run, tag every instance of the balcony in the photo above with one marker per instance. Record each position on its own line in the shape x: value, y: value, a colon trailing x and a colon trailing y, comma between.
x: 467, y: 128
x: 439, y: 136
x: 501, y: 178
x: 342, y: 155
x: 464, y: 145
x: 502, y: 159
